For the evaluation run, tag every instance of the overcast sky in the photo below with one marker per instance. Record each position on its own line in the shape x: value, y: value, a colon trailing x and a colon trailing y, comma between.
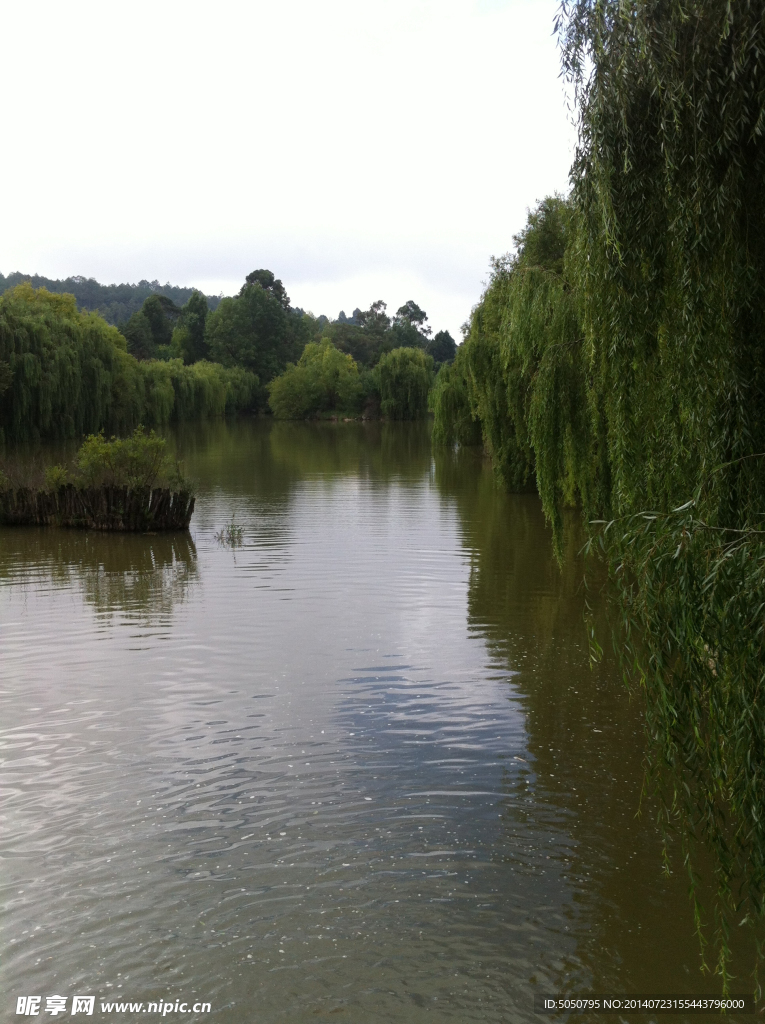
x: 360, y: 149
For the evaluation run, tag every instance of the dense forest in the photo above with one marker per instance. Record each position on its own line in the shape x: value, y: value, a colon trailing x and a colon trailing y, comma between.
x: 116, y: 303
x: 616, y: 363
x: 65, y: 371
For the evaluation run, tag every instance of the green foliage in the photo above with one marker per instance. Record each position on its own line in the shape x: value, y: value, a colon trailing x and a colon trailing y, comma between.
x: 162, y: 314
x: 69, y: 374
x: 294, y: 394
x: 254, y: 331
x: 522, y: 372
x: 369, y: 334
x: 670, y: 263
x: 193, y: 345
x: 62, y: 365
x: 323, y: 380
x: 116, y: 303
x: 55, y: 477
x: 454, y: 422
x: 375, y: 321
x: 139, y: 460
x: 409, y: 328
x: 693, y: 639
x: 495, y: 379
x: 405, y: 376
x: 231, y: 535
x: 138, y: 335
x: 442, y: 347
x: 6, y: 377
x: 617, y: 360
x: 411, y: 314
x: 149, y: 332
x: 364, y: 346
x: 269, y: 283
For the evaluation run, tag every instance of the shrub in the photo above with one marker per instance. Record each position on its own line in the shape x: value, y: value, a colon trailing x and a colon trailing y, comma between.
x: 140, y: 460
x: 55, y: 477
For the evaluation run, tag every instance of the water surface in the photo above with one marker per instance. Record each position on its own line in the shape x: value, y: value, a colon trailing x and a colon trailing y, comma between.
x: 356, y: 768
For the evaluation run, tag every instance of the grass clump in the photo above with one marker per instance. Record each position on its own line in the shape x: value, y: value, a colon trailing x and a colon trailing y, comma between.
x: 231, y: 535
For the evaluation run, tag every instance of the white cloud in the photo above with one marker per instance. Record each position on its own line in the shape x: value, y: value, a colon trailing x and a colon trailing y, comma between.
x: 341, y: 144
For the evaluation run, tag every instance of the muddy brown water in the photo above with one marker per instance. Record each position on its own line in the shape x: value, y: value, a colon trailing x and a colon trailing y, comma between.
x: 356, y: 767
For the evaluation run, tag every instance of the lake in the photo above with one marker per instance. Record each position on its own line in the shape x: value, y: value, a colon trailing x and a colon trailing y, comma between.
x: 356, y: 767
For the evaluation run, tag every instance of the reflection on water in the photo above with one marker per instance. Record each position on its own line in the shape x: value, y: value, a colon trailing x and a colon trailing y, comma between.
x: 374, y: 450
x: 358, y: 766
x: 136, y: 574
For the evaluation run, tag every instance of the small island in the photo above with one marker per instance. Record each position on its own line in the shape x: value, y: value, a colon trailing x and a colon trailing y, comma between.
x: 122, y: 484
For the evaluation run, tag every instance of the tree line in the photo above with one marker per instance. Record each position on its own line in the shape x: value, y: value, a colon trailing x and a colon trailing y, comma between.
x: 616, y: 363
x: 368, y: 364
x: 116, y: 303
x: 66, y: 372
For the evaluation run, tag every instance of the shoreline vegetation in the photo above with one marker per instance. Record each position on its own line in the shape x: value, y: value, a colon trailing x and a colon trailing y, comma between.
x: 66, y: 373
x: 126, y: 485
x: 615, y: 364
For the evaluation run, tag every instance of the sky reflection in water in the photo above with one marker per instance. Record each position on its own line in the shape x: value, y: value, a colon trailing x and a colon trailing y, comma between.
x: 358, y: 765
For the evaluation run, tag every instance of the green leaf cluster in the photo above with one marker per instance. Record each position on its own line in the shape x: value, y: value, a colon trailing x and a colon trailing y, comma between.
x: 139, y: 460
x: 255, y: 331
x: 371, y: 333
x: 518, y: 379
x: 616, y: 360
x: 323, y: 380
x: 405, y: 376
x: 327, y: 381
x: 65, y: 373
x: 115, y: 303
x: 670, y: 264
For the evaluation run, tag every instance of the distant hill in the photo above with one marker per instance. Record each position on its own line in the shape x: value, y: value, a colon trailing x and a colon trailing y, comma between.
x: 115, y: 302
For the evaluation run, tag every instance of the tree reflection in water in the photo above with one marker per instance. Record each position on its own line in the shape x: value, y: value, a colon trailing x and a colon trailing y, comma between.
x: 143, y: 575
x: 633, y: 923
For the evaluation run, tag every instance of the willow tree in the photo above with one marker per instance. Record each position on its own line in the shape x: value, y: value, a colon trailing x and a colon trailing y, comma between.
x: 670, y: 263
x: 65, y: 373
x: 454, y: 421
x: 405, y: 376
x: 520, y: 372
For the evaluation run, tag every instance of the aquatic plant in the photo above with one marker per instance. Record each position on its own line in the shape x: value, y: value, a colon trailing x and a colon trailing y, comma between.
x: 231, y: 535
x: 113, y: 484
x: 56, y: 476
